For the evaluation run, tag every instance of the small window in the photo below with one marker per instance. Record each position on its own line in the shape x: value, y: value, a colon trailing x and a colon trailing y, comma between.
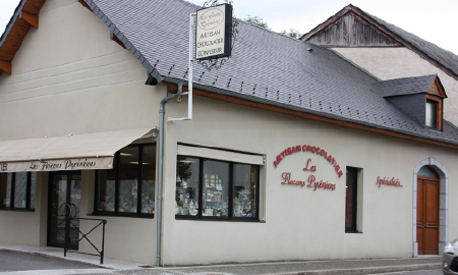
x: 353, y: 201
x: 431, y: 114
x: 213, y: 189
x: 128, y: 189
x: 17, y: 190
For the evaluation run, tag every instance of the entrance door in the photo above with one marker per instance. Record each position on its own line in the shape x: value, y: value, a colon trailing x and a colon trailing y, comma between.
x: 428, y: 215
x: 64, y: 200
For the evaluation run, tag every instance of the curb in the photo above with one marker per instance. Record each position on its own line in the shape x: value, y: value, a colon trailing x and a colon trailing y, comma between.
x: 367, y: 270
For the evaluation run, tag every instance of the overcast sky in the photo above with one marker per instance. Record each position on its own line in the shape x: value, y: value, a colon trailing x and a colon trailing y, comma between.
x: 432, y: 20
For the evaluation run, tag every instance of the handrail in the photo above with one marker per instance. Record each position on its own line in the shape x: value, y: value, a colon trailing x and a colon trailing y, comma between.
x: 68, y: 224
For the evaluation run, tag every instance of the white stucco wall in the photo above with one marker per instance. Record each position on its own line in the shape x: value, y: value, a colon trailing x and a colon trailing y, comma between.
x: 69, y: 77
x: 300, y: 224
x: 391, y: 63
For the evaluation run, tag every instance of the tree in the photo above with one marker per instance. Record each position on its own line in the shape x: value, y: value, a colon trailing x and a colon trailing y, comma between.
x: 292, y: 33
x: 257, y: 21
x: 263, y: 24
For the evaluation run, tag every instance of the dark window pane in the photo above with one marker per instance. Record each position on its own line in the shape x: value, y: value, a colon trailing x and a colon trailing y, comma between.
x: 5, y: 190
x: 128, y: 179
x: 149, y: 175
x: 245, y: 183
x: 187, y: 186
x: 216, y: 189
x: 20, y: 190
x: 350, y: 200
x: 33, y: 188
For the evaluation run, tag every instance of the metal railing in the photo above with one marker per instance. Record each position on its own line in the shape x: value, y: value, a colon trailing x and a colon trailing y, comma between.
x: 69, y: 223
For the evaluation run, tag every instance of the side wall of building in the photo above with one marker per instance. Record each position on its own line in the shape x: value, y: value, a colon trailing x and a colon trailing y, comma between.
x: 391, y: 63
x: 299, y: 223
x: 69, y: 77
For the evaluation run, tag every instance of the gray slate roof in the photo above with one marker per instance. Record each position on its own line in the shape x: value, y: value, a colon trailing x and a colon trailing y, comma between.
x: 405, y: 86
x: 266, y: 67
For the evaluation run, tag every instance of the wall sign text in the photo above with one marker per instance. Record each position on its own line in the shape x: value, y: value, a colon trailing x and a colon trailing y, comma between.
x: 311, y: 182
x: 314, y: 150
x: 388, y: 181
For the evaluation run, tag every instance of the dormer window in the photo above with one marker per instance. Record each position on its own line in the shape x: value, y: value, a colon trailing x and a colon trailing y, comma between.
x: 420, y: 97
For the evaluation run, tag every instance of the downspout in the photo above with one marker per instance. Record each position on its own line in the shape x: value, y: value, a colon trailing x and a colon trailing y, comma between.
x: 160, y: 167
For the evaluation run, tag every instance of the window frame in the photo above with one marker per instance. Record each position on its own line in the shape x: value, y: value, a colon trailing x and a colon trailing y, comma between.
x: 230, y: 216
x: 438, y: 102
x: 116, y: 167
x: 28, y: 195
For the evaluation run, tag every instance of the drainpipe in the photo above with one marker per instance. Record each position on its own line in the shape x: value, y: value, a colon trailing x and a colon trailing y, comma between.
x: 160, y: 167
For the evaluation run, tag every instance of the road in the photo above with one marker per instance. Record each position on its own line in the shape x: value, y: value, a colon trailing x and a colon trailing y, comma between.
x: 11, y: 261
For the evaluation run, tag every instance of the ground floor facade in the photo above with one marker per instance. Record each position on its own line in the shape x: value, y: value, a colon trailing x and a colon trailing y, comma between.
x: 244, y: 185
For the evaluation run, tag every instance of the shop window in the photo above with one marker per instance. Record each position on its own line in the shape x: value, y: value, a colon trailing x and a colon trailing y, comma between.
x: 17, y: 190
x: 128, y: 188
x: 353, y: 200
x: 214, y: 189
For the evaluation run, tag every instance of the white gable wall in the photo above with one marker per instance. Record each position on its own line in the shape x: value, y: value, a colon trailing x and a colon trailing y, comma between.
x: 69, y: 77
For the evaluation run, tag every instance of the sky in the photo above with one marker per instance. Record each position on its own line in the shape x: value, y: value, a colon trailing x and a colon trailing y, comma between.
x: 431, y: 20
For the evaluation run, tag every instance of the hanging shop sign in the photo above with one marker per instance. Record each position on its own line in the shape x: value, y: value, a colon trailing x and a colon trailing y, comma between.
x: 311, y: 149
x: 387, y: 181
x: 214, y: 32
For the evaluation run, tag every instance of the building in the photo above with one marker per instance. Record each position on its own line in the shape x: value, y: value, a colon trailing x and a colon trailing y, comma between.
x: 292, y: 153
x: 386, y: 51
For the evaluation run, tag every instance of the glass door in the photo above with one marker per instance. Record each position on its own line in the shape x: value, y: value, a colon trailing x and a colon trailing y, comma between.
x: 64, y: 201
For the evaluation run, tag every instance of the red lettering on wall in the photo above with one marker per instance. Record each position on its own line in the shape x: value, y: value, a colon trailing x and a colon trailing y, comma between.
x: 312, y: 169
x: 312, y: 182
x: 314, y: 150
x: 388, y: 181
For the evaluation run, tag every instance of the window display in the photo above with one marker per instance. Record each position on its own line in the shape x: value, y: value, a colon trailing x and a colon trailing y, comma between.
x: 245, y: 182
x: 224, y: 190
x: 187, y: 185
x: 128, y: 189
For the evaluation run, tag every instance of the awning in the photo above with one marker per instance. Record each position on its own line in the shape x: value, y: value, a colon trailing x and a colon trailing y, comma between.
x: 193, y: 151
x: 72, y: 152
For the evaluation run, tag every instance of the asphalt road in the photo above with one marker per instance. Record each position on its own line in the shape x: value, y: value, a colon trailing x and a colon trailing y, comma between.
x: 17, y: 261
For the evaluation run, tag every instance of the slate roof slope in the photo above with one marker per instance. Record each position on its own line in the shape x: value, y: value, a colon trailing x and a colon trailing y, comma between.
x: 445, y: 58
x: 405, y: 86
x: 265, y: 67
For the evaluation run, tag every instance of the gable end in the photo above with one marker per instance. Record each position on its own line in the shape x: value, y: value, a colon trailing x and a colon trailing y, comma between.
x: 352, y: 31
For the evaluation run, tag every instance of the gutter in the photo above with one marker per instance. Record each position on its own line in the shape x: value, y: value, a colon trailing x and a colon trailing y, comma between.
x: 160, y: 172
